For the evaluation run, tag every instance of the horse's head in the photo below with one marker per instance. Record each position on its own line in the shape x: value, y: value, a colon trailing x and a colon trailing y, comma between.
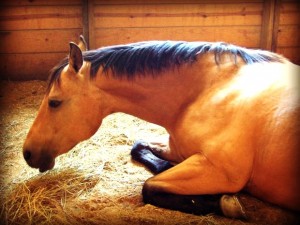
x: 70, y: 112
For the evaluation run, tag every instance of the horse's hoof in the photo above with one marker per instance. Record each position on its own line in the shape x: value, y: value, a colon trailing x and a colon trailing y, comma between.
x: 140, y: 144
x: 142, y: 153
x: 231, y: 207
x: 137, y: 146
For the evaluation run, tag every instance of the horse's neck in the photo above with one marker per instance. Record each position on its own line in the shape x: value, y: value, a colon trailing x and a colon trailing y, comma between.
x: 159, y: 100
x: 156, y: 100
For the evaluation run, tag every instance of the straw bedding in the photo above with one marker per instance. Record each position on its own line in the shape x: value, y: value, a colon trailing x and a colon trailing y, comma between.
x: 96, y: 182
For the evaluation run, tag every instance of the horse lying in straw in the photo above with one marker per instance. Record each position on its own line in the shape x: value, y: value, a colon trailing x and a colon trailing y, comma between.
x: 232, y: 115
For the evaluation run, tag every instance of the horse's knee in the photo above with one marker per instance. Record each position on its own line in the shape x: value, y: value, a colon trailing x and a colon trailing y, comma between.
x: 149, y: 192
x: 155, y: 195
x: 146, y: 192
x: 152, y: 195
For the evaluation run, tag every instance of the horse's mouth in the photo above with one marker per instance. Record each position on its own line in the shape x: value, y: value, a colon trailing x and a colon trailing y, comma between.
x: 46, y: 166
x: 44, y: 163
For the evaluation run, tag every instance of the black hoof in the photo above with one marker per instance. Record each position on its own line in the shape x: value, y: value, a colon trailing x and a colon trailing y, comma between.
x: 138, y: 145
x: 142, y: 152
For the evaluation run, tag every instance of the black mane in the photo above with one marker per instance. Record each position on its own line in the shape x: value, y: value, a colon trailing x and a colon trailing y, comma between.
x: 155, y: 56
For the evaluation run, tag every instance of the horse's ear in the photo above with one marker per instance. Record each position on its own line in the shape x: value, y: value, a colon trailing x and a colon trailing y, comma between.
x: 82, y: 44
x: 75, y: 57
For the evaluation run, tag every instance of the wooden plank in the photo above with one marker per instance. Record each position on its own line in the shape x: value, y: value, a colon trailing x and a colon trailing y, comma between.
x: 85, y: 21
x: 39, y: 2
x: 177, y: 15
x: 291, y: 53
x: 275, y: 26
x: 92, y: 28
x: 244, y: 36
x: 28, y: 66
x: 289, y: 36
x: 134, y: 2
x: 290, y: 13
x: 32, y: 41
x: 267, y: 25
x: 40, y: 17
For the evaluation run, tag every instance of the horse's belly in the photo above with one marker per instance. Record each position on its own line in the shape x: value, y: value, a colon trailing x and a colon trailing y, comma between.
x: 276, y: 179
x: 279, y: 192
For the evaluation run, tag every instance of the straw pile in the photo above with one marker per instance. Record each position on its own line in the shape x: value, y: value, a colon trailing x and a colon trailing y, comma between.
x: 96, y: 182
x: 44, y: 198
x: 64, y: 197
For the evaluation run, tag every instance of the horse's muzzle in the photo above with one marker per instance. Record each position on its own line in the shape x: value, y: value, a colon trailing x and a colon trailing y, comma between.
x: 43, y: 162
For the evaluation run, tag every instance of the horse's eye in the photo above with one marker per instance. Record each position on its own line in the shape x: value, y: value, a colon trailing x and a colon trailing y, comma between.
x: 54, y: 103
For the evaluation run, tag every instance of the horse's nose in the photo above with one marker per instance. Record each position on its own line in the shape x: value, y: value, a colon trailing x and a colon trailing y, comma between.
x: 27, y: 155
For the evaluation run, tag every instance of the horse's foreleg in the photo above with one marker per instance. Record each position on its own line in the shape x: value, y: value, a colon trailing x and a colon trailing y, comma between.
x: 227, y: 205
x: 192, y: 187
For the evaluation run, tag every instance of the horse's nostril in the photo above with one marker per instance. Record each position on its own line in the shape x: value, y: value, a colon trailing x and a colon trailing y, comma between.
x: 27, y: 155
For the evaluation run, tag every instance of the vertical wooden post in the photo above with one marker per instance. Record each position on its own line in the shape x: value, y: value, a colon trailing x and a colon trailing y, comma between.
x: 91, y: 24
x: 85, y: 21
x: 276, y: 25
x: 267, y: 25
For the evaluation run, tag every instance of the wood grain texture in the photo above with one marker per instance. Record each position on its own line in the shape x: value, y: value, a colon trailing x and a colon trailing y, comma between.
x: 38, y: 2
x: 248, y: 37
x: 31, y: 31
x: 40, y: 17
x: 28, y: 66
x: 177, y: 15
x: 134, y: 2
x: 34, y: 41
x: 289, y: 36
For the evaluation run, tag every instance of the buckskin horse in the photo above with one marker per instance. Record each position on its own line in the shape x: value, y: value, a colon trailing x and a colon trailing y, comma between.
x: 232, y: 115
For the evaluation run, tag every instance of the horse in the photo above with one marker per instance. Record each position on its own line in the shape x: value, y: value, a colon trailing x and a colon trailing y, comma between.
x: 231, y: 113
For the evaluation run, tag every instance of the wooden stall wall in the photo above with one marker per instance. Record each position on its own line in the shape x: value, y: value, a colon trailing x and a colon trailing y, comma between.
x: 116, y: 22
x: 287, y: 30
x: 34, y: 34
